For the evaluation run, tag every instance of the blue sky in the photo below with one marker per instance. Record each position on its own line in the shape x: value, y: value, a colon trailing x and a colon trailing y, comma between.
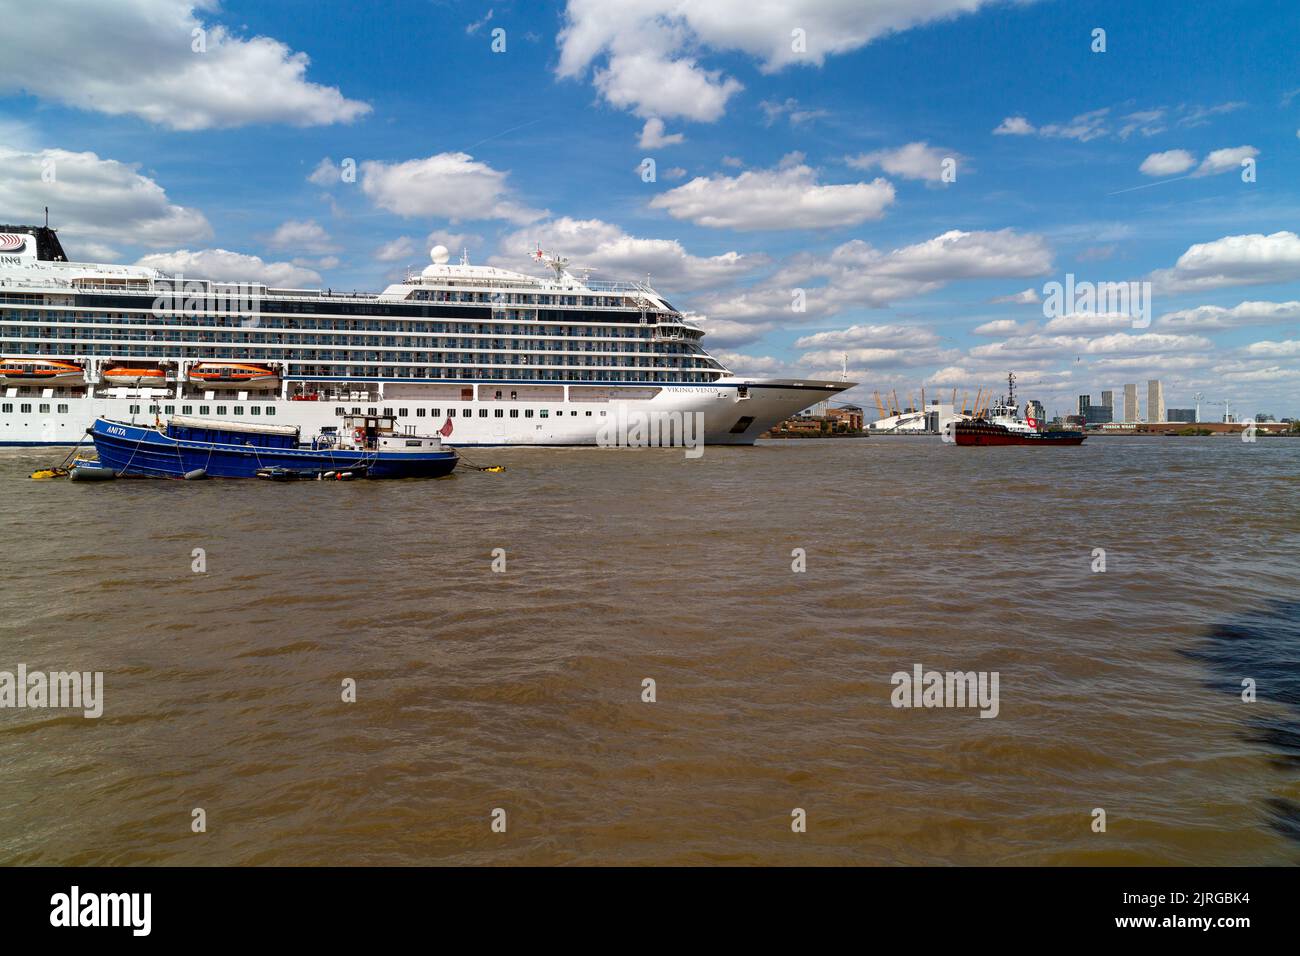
x: 776, y: 168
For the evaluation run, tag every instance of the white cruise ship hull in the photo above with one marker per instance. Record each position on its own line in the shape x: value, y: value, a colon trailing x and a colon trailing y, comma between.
x: 734, y: 411
x: 479, y: 354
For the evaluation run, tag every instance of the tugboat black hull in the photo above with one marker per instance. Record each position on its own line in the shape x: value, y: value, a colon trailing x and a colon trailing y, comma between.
x: 987, y: 433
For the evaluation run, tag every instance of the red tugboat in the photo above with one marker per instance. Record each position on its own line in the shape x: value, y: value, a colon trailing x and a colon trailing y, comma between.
x: 1004, y: 427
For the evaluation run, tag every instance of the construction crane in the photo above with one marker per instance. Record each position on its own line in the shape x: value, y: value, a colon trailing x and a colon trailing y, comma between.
x: 1227, y: 410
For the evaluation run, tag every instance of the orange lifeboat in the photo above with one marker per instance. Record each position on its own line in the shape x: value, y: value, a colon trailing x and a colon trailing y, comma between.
x: 135, y: 376
x: 26, y: 371
x: 233, y: 375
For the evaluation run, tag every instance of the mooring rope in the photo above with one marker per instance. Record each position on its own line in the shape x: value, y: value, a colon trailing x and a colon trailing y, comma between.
x: 136, y: 451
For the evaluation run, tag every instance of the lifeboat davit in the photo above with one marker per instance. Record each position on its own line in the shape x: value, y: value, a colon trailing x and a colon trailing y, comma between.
x: 25, y: 371
x: 233, y: 375
x: 135, y: 376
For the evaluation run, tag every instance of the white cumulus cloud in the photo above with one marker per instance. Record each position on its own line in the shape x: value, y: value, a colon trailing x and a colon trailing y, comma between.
x: 1088, y: 323
x: 1014, y: 126
x: 1169, y: 163
x: 140, y: 58
x: 859, y: 336
x: 648, y: 55
x: 1242, y: 314
x: 1045, y: 347
x: 395, y: 250
x: 93, y: 198
x: 789, y: 197
x: 868, y: 357
x: 1023, y: 297
x: 1288, y: 349
x: 654, y: 136
x: 448, y: 185
x: 302, y: 236
x: 222, y: 265
x: 605, y: 248
x: 728, y: 334
x: 1252, y: 259
x: 1001, y: 327
x: 856, y: 274
x: 326, y: 173
x: 968, y: 255
x: 1225, y: 160
x: 917, y: 160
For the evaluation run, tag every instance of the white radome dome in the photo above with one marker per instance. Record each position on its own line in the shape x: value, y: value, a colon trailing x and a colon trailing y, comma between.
x: 439, y: 254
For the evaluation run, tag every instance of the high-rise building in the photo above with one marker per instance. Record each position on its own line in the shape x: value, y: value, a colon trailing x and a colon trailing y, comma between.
x: 1108, y: 401
x: 1084, y: 402
x: 1099, y: 414
x: 1155, y: 400
x: 1128, y: 412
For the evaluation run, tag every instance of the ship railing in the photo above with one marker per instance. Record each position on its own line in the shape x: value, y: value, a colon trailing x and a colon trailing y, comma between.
x: 16, y: 284
x: 616, y: 285
x: 523, y: 306
x: 570, y: 283
x: 487, y: 282
x: 327, y: 295
x: 79, y: 285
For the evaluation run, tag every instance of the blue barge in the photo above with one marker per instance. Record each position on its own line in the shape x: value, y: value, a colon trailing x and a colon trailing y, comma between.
x: 367, y: 446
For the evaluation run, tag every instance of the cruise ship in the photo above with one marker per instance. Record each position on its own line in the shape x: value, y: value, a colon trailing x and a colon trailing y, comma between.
x: 481, y: 355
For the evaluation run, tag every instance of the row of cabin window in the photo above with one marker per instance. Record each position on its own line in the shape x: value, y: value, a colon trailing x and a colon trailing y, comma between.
x: 25, y: 408
x: 464, y: 412
x: 204, y: 410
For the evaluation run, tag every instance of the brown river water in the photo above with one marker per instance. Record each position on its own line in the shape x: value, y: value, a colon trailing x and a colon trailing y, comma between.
x: 522, y: 690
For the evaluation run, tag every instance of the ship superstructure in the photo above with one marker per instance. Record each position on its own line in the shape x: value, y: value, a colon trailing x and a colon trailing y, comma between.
x: 487, y: 355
